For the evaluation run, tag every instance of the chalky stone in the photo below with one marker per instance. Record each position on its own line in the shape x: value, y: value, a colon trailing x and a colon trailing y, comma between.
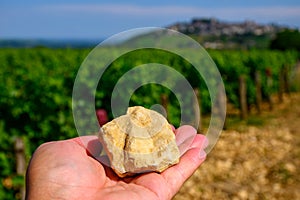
x: 140, y: 141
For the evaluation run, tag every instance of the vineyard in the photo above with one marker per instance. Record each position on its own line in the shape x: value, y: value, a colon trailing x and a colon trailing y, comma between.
x: 36, y: 92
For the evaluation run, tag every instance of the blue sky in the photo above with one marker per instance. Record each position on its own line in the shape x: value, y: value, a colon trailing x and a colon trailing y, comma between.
x: 91, y: 19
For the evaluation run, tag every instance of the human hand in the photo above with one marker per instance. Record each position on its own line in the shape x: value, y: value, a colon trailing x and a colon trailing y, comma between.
x: 68, y: 169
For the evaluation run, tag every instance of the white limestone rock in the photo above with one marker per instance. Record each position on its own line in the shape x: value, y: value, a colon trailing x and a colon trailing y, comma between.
x: 140, y: 141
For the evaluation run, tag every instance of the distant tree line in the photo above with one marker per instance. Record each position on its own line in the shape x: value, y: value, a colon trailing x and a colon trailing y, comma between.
x: 287, y: 39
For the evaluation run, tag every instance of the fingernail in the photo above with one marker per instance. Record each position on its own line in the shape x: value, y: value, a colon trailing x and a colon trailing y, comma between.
x: 205, y: 143
x: 202, y: 154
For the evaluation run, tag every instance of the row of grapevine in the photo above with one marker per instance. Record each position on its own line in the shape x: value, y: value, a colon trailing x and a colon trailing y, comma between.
x: 233, y: 64
x: 36, y: 92
x: 35, y: 104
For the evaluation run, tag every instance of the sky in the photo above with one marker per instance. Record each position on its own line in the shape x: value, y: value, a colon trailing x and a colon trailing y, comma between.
x: 91, y: 19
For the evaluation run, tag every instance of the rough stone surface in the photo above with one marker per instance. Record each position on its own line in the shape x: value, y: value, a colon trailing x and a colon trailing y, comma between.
x: 140, y: 141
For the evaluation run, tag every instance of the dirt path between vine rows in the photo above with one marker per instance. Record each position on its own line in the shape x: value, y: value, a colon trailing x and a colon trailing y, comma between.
x: 259, y: 161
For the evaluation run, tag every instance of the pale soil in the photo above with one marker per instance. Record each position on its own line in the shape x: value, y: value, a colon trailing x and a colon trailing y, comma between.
x: 260, y: 161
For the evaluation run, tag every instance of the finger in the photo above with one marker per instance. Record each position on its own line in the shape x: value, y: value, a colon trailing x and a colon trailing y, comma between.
x: 173, y: 128
x: 184, y: 138
x: 184, y: 132
x: 176, y: 175
x: 90, y: 143
x: 104, y: 160
x: 200, y: 141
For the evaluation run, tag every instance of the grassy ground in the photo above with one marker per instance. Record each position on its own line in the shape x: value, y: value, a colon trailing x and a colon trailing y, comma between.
x: 254, y: 159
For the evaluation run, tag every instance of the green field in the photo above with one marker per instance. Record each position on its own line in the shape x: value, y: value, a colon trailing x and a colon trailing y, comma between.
x: 36, y: 92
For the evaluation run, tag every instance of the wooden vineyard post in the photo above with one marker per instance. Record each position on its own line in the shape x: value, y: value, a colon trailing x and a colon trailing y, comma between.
x: 222, y: 101
x: 197, y: 109
x: 164, y: 103
x: 269, y: 87
x: 281, y: 86
x: 286, y: 82
x: 243, y: 97
x: 258, y: 95
x: 20, y: 162
x: 219, y: 108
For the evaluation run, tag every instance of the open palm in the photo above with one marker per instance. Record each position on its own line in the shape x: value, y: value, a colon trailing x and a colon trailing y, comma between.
x: 68, y: 170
